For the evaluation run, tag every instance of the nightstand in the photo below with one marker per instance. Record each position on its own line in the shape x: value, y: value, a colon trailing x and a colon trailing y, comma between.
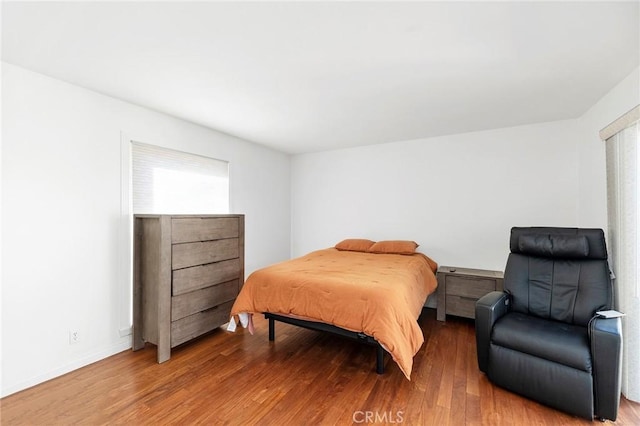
x: 460, y: 288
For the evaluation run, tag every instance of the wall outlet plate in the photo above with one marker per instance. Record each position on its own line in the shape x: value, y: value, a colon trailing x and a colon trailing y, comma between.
x: 74, y: 337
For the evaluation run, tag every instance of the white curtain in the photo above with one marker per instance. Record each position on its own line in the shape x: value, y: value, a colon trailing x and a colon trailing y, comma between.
x: 622, y: 151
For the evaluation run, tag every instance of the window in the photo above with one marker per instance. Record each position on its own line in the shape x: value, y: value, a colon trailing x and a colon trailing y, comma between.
x: 158, y: 180
x: 165, y: 181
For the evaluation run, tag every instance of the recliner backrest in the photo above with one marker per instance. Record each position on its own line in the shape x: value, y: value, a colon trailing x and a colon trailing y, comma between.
x: 560, y: 274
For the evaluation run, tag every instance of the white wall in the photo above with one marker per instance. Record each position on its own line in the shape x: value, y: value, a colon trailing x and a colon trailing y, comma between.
x: 592, y: 202
x: 457, y: 196
x: 61, y: 195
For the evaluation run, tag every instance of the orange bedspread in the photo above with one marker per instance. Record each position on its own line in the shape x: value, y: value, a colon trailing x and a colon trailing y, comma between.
x: 381, y: 295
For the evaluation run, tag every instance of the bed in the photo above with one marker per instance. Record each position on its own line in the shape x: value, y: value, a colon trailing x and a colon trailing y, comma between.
x: 373, y: 292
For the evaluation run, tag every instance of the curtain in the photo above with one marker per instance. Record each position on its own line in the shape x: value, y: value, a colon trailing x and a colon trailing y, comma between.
x: 621, y: 139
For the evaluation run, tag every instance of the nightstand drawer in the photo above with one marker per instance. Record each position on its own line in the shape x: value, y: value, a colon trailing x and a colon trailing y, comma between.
x: 461, y: 306
x: 469, y: 287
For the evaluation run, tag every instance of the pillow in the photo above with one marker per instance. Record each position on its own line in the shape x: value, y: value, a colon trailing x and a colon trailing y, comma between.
x: 354, y: 244
x: 394, y: 247
x: 568, y: 246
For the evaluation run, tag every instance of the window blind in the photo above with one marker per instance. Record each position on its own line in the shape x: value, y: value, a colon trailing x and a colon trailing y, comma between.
x: 623, y: 177
x: 165, y: 181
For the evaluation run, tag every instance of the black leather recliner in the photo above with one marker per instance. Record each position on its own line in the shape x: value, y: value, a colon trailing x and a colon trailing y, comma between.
x: 541, y: 337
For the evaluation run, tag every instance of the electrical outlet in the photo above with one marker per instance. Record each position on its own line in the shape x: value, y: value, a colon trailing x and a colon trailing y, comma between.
x: 74, y: 336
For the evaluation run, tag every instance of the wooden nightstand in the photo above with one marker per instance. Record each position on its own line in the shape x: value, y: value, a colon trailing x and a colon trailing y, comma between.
x: 460, y: 288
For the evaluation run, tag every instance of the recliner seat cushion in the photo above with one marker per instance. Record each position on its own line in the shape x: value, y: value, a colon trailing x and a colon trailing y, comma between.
x: 554, y: 341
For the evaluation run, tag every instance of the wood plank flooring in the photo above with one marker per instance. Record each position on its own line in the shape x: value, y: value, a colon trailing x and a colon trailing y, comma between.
x: 303, y: 378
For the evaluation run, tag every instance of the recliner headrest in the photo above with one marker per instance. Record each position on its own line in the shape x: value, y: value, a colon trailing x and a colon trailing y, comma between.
x: 566, y: 243
x: 554, y: 245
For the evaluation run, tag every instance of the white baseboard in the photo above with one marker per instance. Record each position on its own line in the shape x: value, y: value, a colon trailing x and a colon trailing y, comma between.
x: 71, y: 366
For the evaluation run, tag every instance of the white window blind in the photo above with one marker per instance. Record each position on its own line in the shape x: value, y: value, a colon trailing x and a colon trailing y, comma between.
x: 165, y: 181
x: 623, y: 210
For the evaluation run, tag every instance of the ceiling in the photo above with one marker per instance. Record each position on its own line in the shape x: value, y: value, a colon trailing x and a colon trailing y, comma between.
x: 306, y: 76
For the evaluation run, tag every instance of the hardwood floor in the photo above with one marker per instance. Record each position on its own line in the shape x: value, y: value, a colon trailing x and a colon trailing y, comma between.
x: 304, y: 378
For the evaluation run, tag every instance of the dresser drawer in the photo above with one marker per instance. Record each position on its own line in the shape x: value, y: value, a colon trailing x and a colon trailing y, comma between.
x: 197, y: 277
x: 201, y: 300
x: 200, y: 253
x: 185, y: 230
x: 194, y: 325
x: 469, y: 287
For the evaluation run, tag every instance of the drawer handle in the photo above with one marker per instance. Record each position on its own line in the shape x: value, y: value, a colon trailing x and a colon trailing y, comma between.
x: 210, y: 309
x: 468, y: 298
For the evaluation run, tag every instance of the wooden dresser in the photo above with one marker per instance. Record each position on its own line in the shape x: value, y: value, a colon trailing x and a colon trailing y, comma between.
x: 460, y: 288
x: 187, y: 272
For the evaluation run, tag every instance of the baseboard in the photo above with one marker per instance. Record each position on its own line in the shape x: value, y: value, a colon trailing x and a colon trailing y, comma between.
x: 67, y: 368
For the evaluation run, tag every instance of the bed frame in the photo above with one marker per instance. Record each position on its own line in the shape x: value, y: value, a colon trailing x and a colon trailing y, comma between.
x: 320, y: 326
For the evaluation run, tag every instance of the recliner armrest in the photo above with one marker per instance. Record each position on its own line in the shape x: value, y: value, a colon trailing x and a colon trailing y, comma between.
x: 489, y: 309
x: 605, y: 336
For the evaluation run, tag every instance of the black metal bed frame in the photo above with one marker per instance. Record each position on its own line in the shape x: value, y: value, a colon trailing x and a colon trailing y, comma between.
x: 320, y: 326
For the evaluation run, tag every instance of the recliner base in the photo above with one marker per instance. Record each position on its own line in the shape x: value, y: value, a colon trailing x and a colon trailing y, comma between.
x: 549, y: 383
